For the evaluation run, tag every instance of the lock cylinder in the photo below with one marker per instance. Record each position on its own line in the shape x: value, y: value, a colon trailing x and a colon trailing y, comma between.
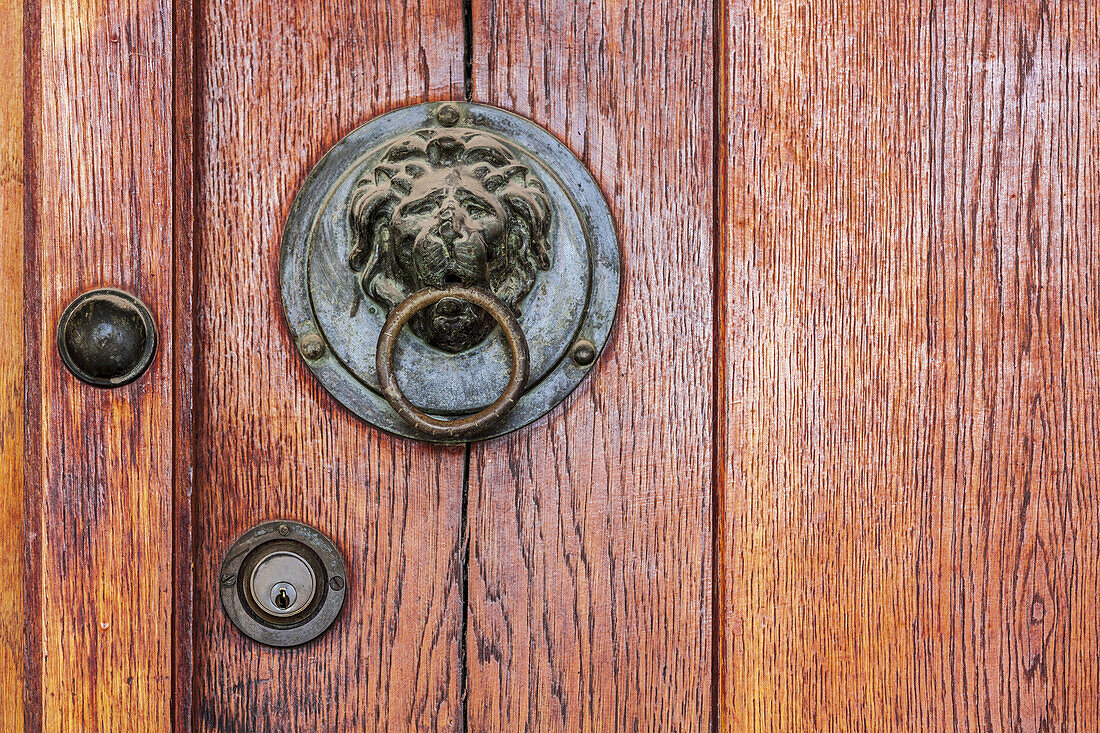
x: 282, y: 582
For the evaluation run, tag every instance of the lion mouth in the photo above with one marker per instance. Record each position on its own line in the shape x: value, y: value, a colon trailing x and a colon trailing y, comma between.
x: 442, y: 262
x: 452, y: 313
x: 453, y: 322
x: 457, y: 274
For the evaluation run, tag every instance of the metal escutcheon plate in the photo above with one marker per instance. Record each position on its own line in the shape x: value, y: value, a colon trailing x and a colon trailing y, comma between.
x: 282, y: 583
x: 449, y: 195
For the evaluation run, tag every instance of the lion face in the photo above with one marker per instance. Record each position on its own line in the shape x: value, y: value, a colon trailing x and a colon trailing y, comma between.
x: 449, y: 207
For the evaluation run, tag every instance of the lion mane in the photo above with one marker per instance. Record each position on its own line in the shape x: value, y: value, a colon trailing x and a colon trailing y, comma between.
x: 381, y: 190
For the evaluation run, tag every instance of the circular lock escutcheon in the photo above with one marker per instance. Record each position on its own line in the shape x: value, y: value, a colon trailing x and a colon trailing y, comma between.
x: 282, y: 583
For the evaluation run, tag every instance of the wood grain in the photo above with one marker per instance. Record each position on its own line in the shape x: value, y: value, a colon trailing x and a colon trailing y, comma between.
x: 277, y: 85
x: 908, y: 371
x: 11, y: 365
x: 823, y: 363
x: 590, y: 531
x: 99, y: 462
x: 1008, y: 627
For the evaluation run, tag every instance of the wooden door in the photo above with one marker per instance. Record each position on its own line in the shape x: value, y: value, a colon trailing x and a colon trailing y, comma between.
x: 836, y: 470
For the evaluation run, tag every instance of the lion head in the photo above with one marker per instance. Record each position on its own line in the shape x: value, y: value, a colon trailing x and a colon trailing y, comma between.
x: 449, y: 207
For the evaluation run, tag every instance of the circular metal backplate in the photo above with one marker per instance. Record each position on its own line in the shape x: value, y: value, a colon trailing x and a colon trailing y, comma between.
x: 254, y: 561
x: 337, y: 291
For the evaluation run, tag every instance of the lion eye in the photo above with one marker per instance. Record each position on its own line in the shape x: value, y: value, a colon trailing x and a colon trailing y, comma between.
x: 419, y: 208
x: 476, y: 210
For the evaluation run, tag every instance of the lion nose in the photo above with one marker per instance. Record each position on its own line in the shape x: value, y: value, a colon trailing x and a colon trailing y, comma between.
x: 447, y: 229
x: 450, y: 307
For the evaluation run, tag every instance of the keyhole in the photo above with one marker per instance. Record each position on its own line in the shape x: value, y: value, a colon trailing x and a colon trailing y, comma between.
x: 283, y: 596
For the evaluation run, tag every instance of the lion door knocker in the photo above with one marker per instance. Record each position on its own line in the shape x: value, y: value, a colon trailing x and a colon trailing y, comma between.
x: 484, y: 235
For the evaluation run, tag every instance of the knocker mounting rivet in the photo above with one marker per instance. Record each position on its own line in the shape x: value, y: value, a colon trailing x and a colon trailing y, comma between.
x: 583, y: 353
x: 448, y: 115
x: 482, y: 233
x: 463, y: 426
x: 312, y: 346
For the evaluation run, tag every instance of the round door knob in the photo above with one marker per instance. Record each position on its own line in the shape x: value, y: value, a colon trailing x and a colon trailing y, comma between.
x: 107, y: 337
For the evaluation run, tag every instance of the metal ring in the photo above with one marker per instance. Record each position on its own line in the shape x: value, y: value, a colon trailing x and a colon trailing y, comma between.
x: 462, y: 427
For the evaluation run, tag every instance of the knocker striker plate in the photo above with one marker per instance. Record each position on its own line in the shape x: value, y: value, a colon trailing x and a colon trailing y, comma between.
x: 449, y: 195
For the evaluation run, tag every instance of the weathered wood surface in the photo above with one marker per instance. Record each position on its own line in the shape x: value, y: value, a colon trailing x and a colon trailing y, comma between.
x: 909, y: 379
x: 906, y: 274
x: 11, y: 365
x: 590, y: 532
x: 1008, y: 561
x: 277, y: 85
x: 99, y: 462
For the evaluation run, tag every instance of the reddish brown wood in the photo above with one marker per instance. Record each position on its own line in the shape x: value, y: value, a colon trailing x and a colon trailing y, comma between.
x: 13, y: 619
x: 99, y: 462
x: 277, y: 85
x: 590, y: 559
x: 824, y: 375
x: 32, y: 419
x: 907, y: 319
x: 908, y: 373
x: 1008, y: 624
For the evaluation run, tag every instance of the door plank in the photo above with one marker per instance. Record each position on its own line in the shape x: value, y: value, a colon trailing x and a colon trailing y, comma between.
x: 99, y: 470
x: 823, y: 363
x: 11, y: 366
x: 1009, y: 545
x: 908, y: 368
x: 278, y: 84
x: 590, y: 542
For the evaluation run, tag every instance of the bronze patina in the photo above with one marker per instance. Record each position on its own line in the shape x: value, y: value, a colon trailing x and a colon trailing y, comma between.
x: 444, y: 208
x: 481, y: 232
x: 459, y: 427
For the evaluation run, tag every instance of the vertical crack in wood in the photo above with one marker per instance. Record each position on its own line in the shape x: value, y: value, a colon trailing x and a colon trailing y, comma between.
x: 464, y: 579
x: 468, y: 54
x: 32, y: 415
x: 184, y: 155
x: 718, y: 317
x: 463, y: 665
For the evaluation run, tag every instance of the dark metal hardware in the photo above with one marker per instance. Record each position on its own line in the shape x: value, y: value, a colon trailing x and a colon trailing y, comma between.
x: 583, y: 352
x: 462, y: 426
x: 106, y: 337
x: 282, y: 583
x: 440, y: 196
